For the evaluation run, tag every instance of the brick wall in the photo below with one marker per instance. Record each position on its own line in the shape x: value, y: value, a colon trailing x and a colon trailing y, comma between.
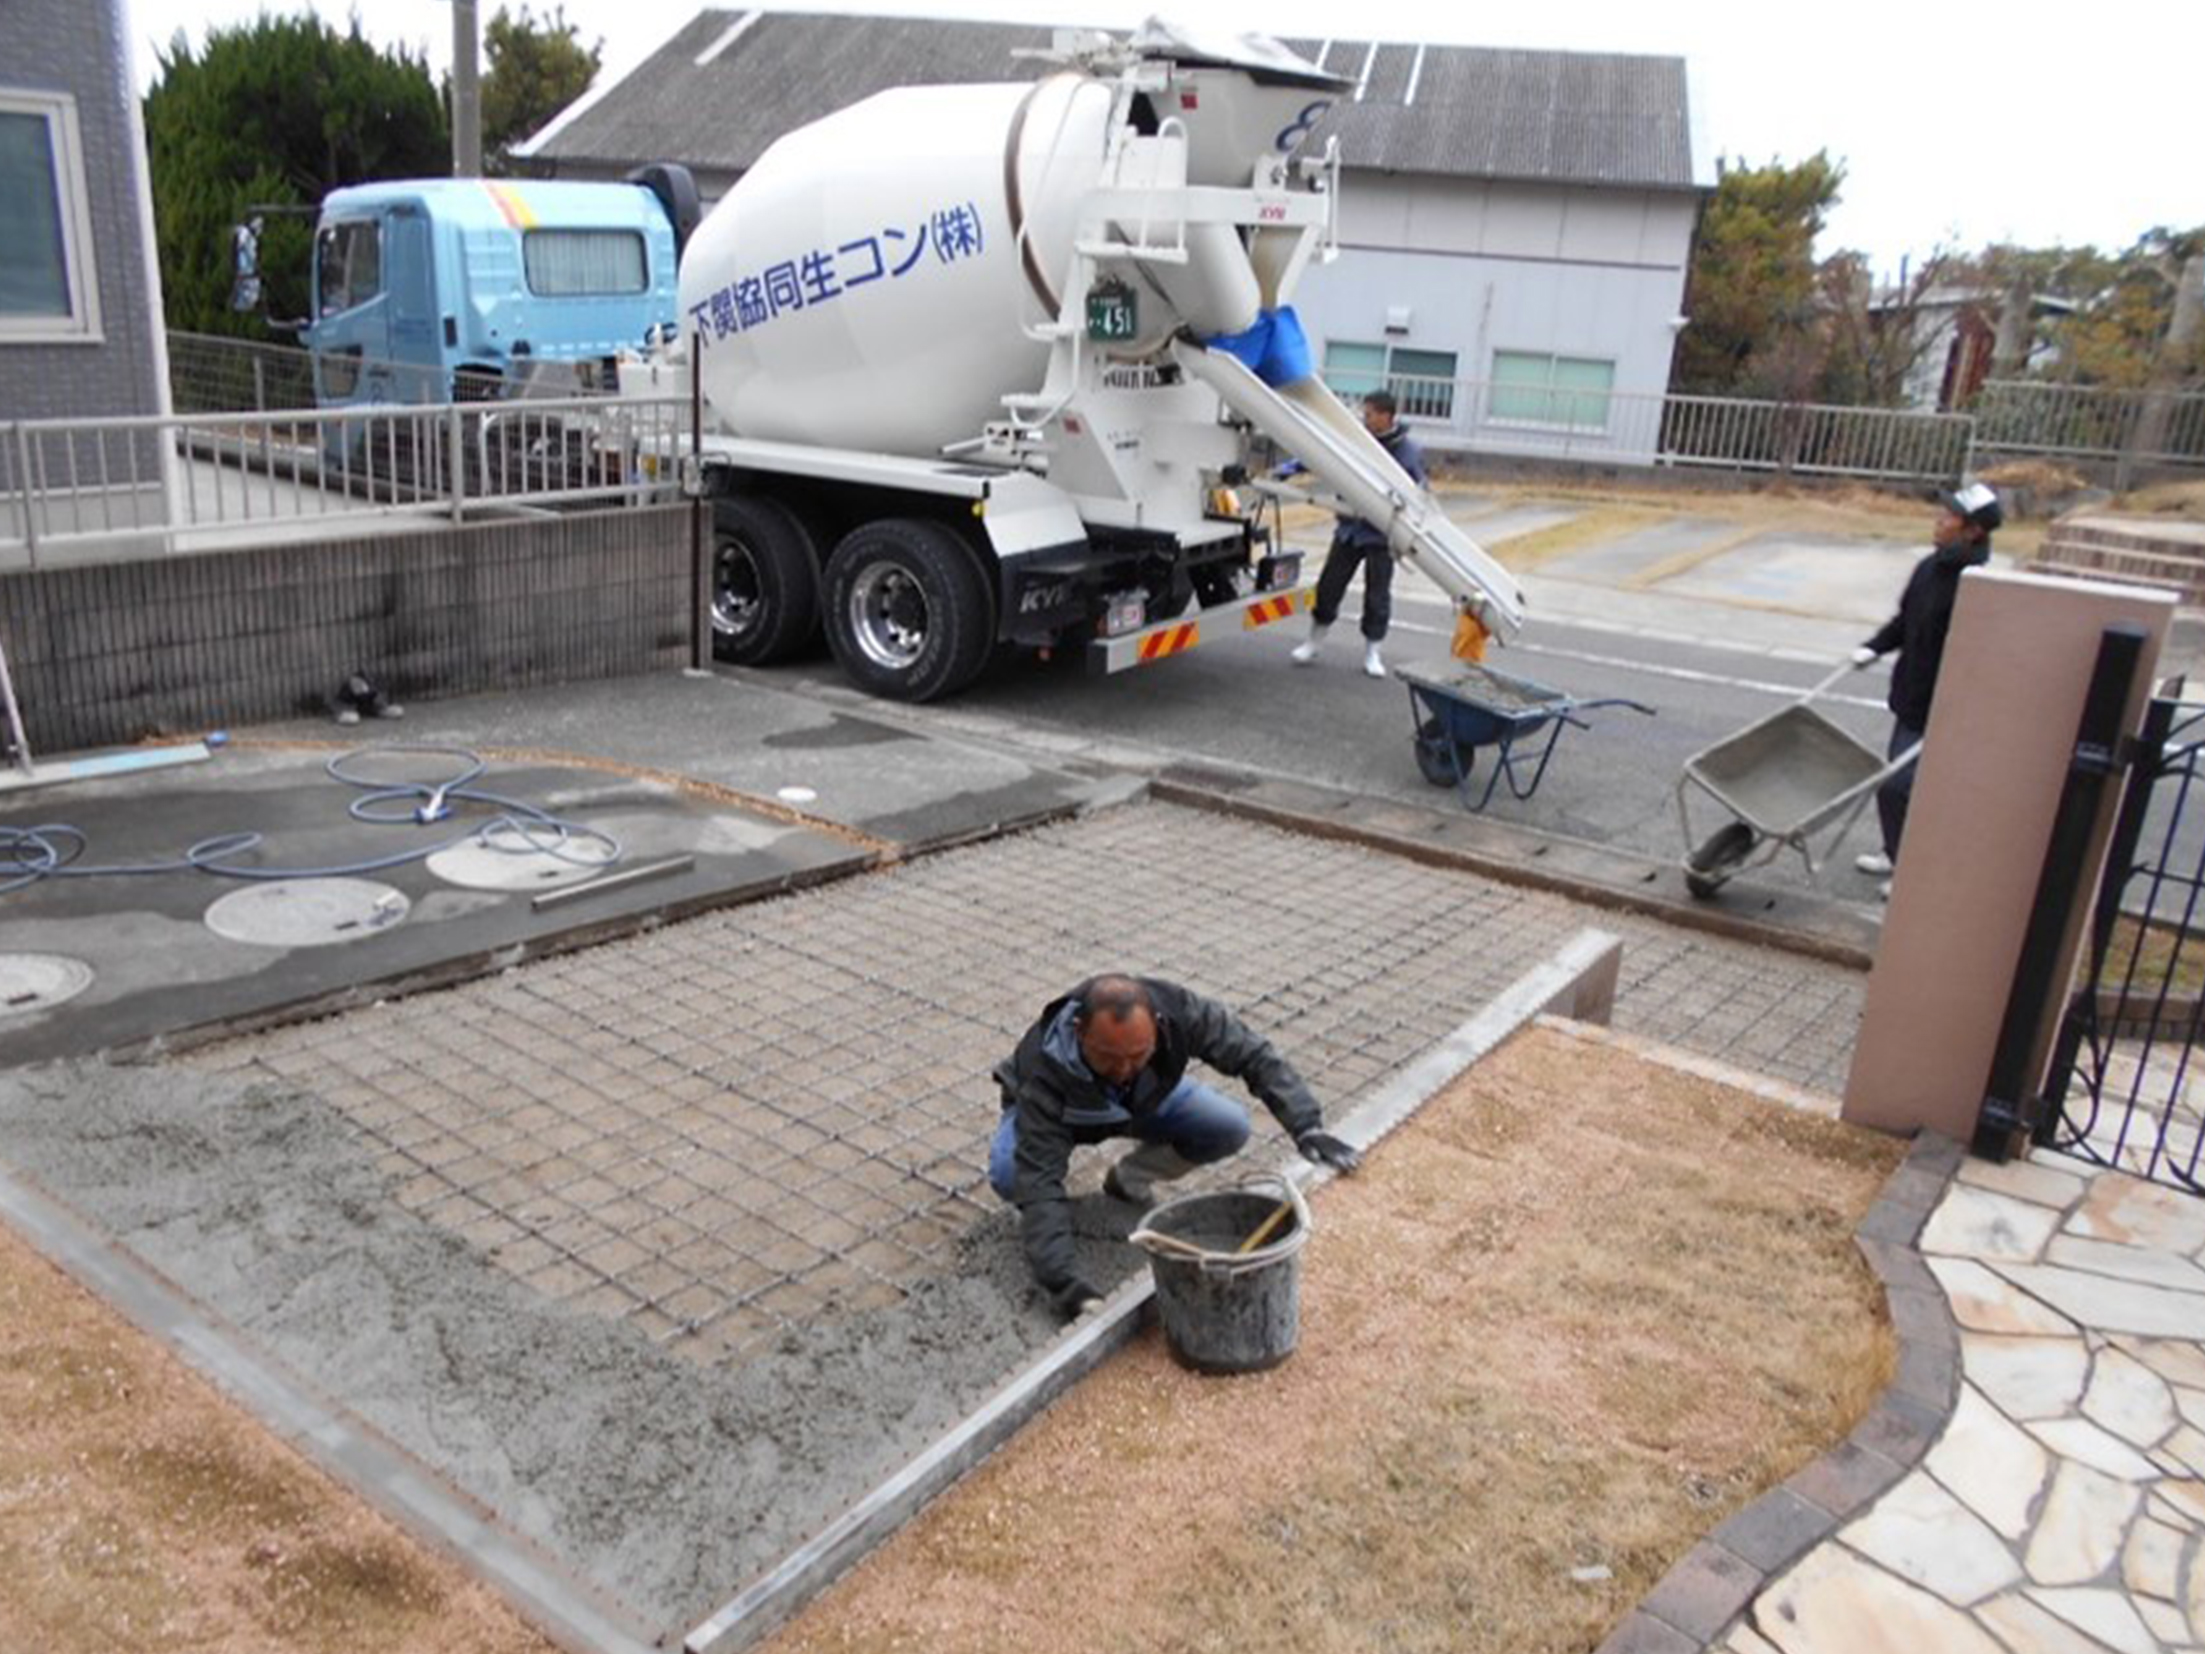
x: 109, y: 653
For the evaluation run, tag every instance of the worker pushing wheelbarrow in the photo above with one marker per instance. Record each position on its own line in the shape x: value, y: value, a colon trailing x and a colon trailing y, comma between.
x: 1785, y: 781
x: 1463, y: 708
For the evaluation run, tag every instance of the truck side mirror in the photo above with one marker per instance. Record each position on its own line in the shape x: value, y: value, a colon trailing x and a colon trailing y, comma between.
x: 245, y: 288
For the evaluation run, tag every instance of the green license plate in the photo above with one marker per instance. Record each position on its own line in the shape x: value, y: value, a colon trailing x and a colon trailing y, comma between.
x: 1110, y: 314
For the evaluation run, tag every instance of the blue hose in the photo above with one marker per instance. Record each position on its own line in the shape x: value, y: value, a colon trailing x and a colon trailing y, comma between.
x: 53, y: 850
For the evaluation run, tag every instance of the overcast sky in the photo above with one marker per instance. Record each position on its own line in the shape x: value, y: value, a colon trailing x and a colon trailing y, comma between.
x: 1958, y: 124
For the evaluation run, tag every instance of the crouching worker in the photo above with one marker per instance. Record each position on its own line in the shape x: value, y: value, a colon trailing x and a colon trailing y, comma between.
x: 1109, y: 1059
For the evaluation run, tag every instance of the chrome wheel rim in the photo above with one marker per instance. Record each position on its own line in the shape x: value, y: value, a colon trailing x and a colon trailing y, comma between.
x: 736, y: 597
x: 888, y: 616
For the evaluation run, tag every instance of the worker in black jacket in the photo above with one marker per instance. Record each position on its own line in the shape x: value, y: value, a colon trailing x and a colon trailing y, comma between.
x: 1109, y: 1059
x: 1359, y: 544
x: 1962, y: 541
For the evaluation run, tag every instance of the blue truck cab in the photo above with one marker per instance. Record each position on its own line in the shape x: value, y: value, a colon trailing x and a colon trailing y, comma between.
x: 455, y: 289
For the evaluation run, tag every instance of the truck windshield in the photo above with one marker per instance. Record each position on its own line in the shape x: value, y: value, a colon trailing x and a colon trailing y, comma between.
x: 568, y: 263
x: 349, y: 261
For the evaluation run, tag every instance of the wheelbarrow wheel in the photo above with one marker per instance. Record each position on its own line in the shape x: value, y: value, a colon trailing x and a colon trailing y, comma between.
x: 1441, y: 759
x: 1718, y: 856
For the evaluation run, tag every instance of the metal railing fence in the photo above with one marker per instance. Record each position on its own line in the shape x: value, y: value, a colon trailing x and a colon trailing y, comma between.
x: 2142, y: 427
x: 1667, y: 429
x: 211, y: 374
x: 207, y: 479
x: 247, y: 448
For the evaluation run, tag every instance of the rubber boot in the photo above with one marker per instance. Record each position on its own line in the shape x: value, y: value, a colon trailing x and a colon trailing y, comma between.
x: 1134, y: 1178
x: 1305, y: 652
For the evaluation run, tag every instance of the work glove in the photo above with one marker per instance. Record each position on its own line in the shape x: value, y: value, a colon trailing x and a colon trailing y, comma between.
x: 1328, y: 1150
x: 1075, y: 1298
x: 1864, y: 656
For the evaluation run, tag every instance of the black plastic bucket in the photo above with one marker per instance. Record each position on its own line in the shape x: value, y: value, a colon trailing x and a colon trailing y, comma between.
x: 1225, y: 1310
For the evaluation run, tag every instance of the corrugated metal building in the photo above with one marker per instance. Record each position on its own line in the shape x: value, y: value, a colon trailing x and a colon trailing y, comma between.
x: 1514, y: 225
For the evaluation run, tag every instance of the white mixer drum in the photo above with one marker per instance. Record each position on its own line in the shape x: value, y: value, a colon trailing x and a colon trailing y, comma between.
x: 869, y: 283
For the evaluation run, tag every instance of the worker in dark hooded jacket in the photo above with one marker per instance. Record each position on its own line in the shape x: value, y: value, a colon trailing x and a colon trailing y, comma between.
x: 1109, y: 1059
x: 1961, y: 541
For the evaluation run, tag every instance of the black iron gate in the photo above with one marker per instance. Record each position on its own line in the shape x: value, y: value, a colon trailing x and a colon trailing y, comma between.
x: 2126, y: 1086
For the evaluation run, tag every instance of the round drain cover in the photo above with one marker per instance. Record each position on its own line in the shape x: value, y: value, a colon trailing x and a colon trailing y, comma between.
x: 39, y: 981
x: 505, y: 858
x: 307, y: 913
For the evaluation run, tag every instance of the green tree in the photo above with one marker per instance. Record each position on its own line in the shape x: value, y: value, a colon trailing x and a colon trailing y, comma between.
x: 279, y: 111
x: 2124, y: 333
x: 535, y: 71
x: 1753, y: 291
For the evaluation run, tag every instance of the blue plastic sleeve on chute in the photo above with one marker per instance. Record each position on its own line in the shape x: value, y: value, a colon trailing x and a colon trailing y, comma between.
x: 1275, y: 349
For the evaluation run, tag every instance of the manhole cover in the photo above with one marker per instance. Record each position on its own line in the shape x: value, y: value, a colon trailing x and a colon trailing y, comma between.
x: 505, y: 858
x: 307, y: 913
x: 39, y: 981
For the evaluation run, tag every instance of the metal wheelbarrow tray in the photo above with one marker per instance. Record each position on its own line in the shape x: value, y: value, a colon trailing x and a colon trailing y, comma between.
x: 1460, y: 707
x: 1783, y: 780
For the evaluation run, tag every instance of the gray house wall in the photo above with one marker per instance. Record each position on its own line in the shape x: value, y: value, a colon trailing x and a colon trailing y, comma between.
x: 80, y: 47
x: 1483, y: 266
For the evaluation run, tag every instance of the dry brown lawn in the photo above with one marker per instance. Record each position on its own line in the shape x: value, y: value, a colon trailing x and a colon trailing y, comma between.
x: 1567, y: 1320
x: 139, y: 1509
x: 1615, y: 507
x: 2168, y: 499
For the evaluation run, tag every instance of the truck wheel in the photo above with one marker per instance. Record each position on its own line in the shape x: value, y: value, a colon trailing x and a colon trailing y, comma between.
x: 908, y: 615
x: 765, y: 581
x: 1718, y: 856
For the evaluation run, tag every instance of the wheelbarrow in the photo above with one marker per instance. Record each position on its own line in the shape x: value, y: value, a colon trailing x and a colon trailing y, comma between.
x: 1462, y: 708
x: 1784, y: 781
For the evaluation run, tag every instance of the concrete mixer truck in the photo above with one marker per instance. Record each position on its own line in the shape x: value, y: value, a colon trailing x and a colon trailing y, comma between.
x: 993, y: 364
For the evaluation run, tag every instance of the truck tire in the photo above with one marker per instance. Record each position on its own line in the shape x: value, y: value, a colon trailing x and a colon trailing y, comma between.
x: 765, y: 581
x: 908, y: 613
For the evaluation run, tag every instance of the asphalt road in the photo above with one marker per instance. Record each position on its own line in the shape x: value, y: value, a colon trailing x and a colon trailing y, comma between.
x: 1238, y: 701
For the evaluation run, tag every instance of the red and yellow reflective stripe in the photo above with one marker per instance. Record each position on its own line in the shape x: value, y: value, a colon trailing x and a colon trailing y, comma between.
x: 1170, y: 641
x: 512, y: 205
x: 1270, y: 609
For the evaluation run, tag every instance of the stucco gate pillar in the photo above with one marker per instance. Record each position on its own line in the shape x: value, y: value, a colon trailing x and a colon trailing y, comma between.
x: 2010, y: 694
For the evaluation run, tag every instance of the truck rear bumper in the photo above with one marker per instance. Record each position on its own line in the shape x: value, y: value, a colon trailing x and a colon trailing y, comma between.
x: 1175, y: 637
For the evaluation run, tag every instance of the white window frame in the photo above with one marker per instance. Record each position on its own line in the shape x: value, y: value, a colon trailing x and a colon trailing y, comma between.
x: 1520, y: 422
x: 73, y: 199
x: 1387, y: 377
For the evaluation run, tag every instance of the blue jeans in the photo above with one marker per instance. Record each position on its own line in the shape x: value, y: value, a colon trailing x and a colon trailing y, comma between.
x: 1202, y: 1124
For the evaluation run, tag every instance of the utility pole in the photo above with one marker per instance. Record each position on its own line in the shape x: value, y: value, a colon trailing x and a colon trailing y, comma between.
x: 466, y: 94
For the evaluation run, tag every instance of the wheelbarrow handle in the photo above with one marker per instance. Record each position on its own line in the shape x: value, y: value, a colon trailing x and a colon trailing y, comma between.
x: 1568, y: 714
x: 1844, y: 669
x: 1613, y: 700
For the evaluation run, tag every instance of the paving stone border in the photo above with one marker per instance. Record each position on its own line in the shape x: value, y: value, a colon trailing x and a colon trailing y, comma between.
x: 1700, y: 1599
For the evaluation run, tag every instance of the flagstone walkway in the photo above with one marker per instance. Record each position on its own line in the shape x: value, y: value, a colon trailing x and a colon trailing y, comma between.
x: 2062, y: 1511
